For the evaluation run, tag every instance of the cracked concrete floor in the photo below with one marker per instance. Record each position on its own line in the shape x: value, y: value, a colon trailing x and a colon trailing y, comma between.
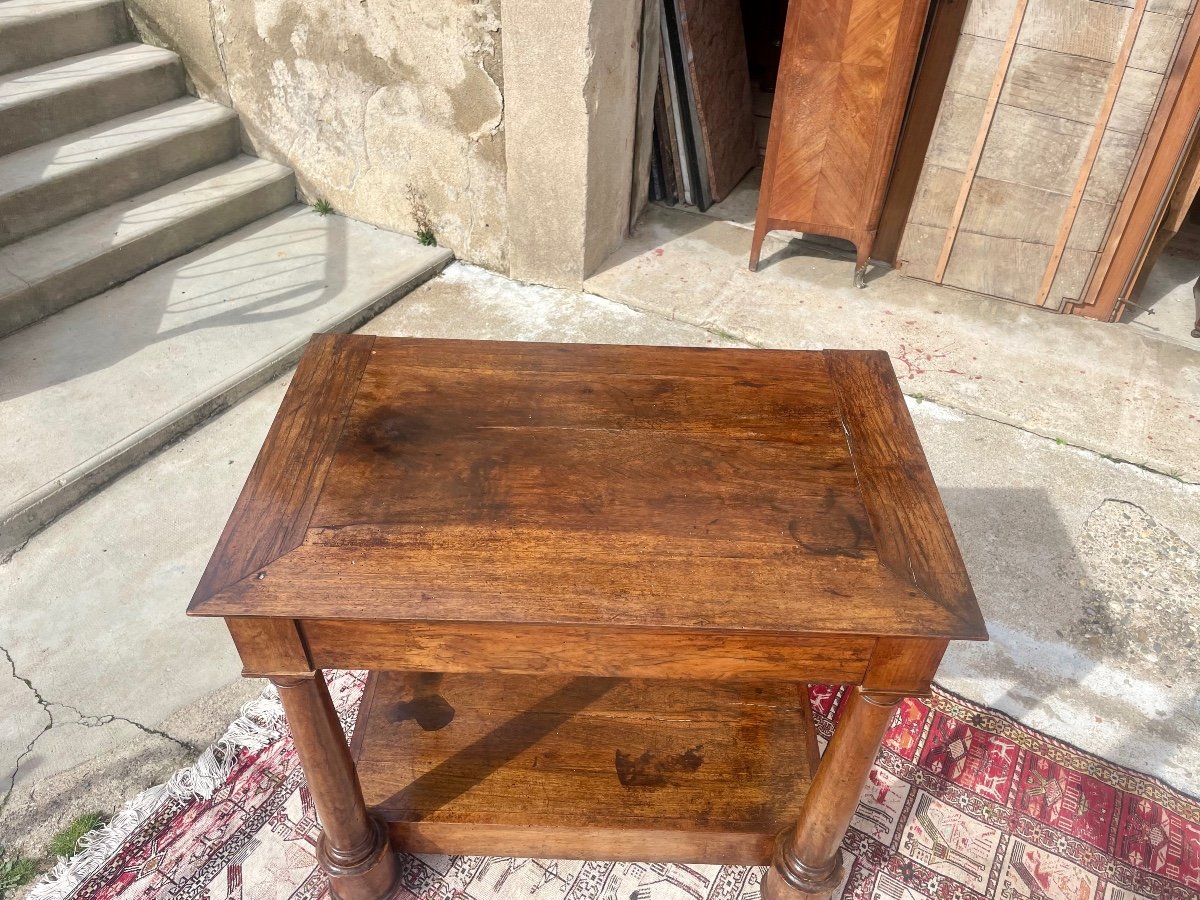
x: 45, y: 726
x: 1085, y: 569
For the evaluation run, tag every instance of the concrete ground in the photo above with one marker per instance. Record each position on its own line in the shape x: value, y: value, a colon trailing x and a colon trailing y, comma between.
x: 154, y: 356
x: 1167, y: 308
x: 1087, y: 569
x: 1122, y: 392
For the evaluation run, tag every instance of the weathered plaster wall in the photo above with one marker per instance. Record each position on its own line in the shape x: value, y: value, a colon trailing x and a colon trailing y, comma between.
x: 611, y: 92
x: 546, y: 213
x: 184, y: 26
x: 378, y: 105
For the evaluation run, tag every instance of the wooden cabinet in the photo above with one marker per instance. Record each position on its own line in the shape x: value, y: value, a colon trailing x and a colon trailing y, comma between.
x: 843, y: 83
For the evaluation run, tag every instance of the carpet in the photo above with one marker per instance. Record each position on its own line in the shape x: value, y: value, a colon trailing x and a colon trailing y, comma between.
x: 963, y: 802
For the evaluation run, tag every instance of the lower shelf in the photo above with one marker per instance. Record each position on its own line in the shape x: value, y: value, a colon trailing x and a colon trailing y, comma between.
x: 584, y: 768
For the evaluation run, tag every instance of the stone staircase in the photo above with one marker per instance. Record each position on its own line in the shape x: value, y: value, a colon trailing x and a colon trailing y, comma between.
x: 150, y: 273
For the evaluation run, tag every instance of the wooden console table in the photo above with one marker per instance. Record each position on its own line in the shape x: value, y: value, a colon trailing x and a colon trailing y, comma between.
x: 591, y: 584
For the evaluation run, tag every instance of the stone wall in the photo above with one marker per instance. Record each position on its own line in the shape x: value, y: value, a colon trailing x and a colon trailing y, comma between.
x: 571, y: 100
x: 380, y: 106
x: 1038, y: 142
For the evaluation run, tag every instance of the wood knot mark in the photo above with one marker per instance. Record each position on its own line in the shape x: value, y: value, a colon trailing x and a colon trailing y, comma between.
x: 652, y: 770
x: 431, y: 713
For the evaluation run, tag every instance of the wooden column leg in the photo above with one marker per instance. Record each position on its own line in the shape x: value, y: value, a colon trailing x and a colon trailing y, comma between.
x: 353, y: 848
x: 808, y: 856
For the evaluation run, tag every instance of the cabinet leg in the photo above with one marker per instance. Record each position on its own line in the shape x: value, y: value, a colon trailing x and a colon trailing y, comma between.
x: 808, y: 856
x: 1196, y: 300
x: 756, y: 242
x: 860, y: 266
x: 353, y: 848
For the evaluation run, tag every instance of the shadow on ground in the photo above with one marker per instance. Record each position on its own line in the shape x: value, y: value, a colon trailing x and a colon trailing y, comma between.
x: 1093, y: 630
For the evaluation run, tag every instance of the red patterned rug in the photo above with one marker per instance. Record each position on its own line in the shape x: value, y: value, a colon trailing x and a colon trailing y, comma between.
x: 962, y: 803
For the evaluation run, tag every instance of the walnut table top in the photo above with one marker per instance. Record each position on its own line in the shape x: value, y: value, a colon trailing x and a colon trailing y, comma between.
x: 544, y: 484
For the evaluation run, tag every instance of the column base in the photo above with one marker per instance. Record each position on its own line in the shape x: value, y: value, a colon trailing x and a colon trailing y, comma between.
x: 370, y: 877
x: 788, y: 878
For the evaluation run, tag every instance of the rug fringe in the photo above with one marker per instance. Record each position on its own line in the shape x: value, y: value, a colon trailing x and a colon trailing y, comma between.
x: 254, y: 729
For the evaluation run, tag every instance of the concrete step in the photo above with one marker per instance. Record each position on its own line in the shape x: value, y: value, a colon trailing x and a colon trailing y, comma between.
x: 33, y: 32
x: 48, y: 101
x: 54, y: 269
x: 44, y: 185
x: 92, y: 390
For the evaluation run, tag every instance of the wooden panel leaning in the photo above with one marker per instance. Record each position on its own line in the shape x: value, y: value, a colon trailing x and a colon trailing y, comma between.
x: 843, y: 81
x: 591, y: 584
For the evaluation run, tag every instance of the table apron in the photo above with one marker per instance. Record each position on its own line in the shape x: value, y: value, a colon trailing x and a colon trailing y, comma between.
x: 573, y: 650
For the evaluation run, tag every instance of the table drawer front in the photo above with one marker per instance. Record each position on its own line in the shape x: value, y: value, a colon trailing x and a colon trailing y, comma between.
x: 561, y: 650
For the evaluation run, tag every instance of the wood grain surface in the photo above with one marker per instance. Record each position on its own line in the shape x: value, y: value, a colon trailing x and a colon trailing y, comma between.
x: 585, y: 768
x: 1170, y: 135
x: 606, y: 487
x: 981, y: 138
x: 272, y: 513
x: 844, y: 78
x: 1089, y: 161
x: 929, y: 85
x: 715, y: 50
x: 597, y: 650
x: 912, y: 532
